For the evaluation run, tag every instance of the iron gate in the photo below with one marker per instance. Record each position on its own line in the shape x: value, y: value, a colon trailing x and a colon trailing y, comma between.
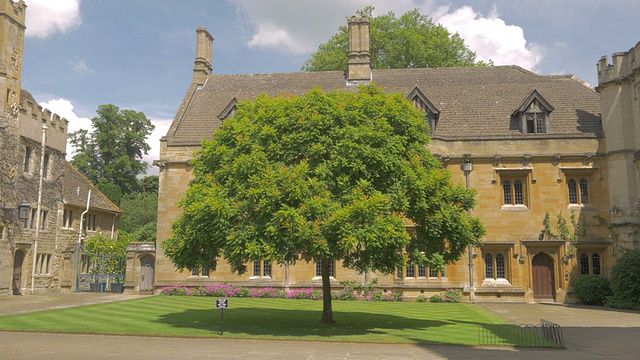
x: 99, y: 272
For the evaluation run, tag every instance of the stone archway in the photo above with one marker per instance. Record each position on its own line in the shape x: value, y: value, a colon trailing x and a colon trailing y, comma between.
x: 18, y: 260
x: 147, y: 265
x: 543, y: 275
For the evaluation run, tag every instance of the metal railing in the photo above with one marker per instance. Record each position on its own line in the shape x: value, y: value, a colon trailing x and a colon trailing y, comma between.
x: 545, y: 334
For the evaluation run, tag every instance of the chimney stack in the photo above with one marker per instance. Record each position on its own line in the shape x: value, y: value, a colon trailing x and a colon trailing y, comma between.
x: 204, y: 55
x: 359, y: 56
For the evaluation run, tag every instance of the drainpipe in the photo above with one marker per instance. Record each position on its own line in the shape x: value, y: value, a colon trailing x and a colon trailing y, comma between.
x: 80, y: 237
x: 41, y: 175
x: 113, y: 225
x: 467, y: 168
x: 82, y: 218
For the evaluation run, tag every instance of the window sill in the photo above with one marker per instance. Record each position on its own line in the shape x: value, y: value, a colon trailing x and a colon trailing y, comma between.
x: 495, y: 282
x: 514, y: 208
x: 319, y: 278
x: 581, y: 207
x: 265, y: 278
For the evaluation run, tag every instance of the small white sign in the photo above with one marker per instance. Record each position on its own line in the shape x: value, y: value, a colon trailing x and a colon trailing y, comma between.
x: 222, y: 303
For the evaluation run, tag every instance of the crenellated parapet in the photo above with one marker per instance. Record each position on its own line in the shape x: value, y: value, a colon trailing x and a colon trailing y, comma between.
x: 33, y: 116
x: 625, y: 66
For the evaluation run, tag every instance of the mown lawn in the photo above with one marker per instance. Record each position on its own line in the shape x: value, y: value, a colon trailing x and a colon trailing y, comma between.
x: 357, y: 321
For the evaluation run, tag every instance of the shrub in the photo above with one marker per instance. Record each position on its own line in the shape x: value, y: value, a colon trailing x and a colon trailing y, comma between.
x: 265, y: 293
x: 625, y: 282
x: 176, y: 290
x: 422, y: 298
x: 309, y: 294
x: 436, y: 298
x: 592, y: 289
x: 452, y: 296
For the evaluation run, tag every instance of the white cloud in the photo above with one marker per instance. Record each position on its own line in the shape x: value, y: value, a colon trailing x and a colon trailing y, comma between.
x: 299, y: 26
x: 64, y: 108
x: 79, y: 66
x: 492, y: 39
x: 292, y: 26
x: 271, y: 36
x: 46, y: 17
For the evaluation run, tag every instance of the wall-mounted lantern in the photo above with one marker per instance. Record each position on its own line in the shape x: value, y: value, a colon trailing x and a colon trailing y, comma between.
x: 23, y: 210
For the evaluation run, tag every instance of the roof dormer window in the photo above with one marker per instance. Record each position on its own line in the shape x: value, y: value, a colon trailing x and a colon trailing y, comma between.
x: 533, y: 114
x: 420, y: 101
x: 229, y: 110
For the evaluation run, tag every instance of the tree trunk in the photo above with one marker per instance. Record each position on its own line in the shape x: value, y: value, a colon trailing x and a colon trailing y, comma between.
x: 327, y: 310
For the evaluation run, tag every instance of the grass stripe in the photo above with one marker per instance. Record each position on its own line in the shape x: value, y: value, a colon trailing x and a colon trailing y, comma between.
x: 389, y: 322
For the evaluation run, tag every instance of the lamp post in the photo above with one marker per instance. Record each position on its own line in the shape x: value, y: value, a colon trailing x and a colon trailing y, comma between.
x: 467, y: 168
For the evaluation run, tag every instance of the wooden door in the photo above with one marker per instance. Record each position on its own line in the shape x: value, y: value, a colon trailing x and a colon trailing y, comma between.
x: 543, y: 277
x: 146, y: 274
x: 17, y: 272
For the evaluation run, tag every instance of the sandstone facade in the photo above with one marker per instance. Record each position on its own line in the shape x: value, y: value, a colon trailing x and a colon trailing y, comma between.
x: 539, y: 148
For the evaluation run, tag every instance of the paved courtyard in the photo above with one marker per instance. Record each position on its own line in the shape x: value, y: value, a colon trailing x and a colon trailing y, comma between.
x: 589, y: 333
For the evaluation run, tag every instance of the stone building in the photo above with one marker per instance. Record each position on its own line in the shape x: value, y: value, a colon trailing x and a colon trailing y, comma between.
x: 533, y: 146
x: 42, y: 197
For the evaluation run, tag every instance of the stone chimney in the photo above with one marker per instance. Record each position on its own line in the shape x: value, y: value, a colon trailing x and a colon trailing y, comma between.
x: 359, y: 56
x: 204, y: 55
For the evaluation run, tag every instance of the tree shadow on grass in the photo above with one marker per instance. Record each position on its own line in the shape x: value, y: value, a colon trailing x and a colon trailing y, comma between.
x: 305, y: 325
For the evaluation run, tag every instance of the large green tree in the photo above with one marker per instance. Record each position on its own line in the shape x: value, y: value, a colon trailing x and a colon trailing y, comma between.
x: 326, y: 176
x: 411, y: 41
x: 111, y: 155
x: 141, y: 211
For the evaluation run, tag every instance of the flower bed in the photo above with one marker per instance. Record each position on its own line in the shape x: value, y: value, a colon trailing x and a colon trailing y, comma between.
x: 351, y: 291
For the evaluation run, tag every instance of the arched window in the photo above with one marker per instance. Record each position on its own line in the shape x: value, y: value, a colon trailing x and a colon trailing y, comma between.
x: 488, y: 266
x: 319, y: 268
x: 500, y: 266
x: 45, y: 166
x: 590, y: 263
x: 495, y: 265
x: 578, y: 191
x: 27, y: 160
x: 513, y: 190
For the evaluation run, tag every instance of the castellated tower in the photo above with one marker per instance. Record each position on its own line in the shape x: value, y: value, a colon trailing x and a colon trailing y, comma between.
x: 12, y: 29
x: 619, y: 87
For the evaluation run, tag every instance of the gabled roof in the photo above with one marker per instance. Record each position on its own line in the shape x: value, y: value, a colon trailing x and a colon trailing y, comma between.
x: 75, y: 189
x: 416, y: 93
x: 474, y: 102
x: 534, y: 96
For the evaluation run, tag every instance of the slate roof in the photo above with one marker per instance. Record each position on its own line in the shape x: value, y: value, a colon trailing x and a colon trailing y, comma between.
x: 475, y: 103
x: 75, y: 188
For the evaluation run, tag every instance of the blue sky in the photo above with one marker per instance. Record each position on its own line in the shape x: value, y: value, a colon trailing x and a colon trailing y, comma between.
x: 138, y: 54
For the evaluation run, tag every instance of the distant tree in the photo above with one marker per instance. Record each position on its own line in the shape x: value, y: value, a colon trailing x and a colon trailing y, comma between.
x: 320, y: 178
x: 113, y: 151
x: 149, y: 184
x: 411, y: 41
x: 140, y: 215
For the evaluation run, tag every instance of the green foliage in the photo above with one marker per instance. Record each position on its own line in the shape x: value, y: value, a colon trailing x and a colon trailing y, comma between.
x: 592, y: 289
x: 107, y: 255
x: 452, y: 296
x: 437, y: 298
x: 422, y: 298
x: 325, y: 176
x: 113, y: 151
x: 149, y: 184
x: 140, y: 215
x: 625, y: 282
x: 110, y: 190
x: 411, y: 41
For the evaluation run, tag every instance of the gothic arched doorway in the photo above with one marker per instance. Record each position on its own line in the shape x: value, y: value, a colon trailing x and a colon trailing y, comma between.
x: 146, y: 274
x: 18, y: 259
x: 544, y: 284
